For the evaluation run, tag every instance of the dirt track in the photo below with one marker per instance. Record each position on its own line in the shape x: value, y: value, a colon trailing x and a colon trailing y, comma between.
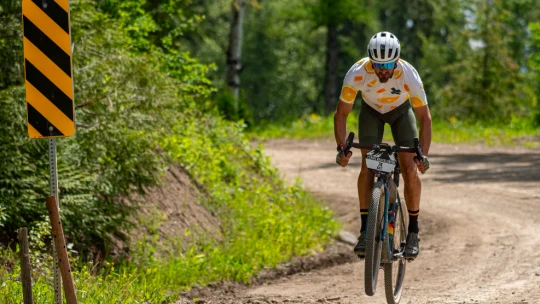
x: 479, y: 218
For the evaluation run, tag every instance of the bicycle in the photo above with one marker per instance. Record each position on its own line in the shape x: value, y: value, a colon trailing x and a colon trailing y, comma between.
x: 386, y: 212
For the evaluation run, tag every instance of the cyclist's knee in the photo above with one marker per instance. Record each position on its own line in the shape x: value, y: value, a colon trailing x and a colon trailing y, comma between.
x: 409, y: 172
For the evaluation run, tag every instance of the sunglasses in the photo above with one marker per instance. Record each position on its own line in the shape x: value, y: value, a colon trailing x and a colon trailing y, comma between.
x: 381, y: 66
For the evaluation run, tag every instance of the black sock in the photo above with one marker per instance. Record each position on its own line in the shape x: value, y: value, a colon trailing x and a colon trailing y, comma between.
x: 413, y: 220
x: 363, y: 219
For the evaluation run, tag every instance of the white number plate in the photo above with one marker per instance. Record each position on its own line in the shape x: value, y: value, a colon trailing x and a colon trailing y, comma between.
x: 380, y: 161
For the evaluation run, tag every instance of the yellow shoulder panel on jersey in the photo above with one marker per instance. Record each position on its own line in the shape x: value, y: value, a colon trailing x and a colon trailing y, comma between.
x: 417, y: 102
x: 348, y: 94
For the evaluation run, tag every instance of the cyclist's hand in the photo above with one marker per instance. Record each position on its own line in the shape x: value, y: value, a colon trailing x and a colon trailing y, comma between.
x: 342, y: 159
x: 422, y: 165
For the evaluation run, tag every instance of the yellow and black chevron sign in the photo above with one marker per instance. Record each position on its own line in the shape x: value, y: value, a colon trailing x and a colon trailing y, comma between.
x: 47, y: 58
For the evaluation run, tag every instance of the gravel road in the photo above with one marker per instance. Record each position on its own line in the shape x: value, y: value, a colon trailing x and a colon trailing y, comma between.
x: 479, y: 242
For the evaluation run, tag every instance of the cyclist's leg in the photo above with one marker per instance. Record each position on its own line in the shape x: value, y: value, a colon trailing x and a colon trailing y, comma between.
x: 403, y: 124
x: 370, y: 131
x: 413, y: 186
x: 413, y: 190
x: 404, y: 130
x: 365, y: 183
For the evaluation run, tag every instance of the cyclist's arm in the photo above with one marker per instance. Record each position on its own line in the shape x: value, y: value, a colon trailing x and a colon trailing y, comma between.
x: 424, y: 119
x: 340, y: 121
x: 351, y: 85
x: 420, y: 105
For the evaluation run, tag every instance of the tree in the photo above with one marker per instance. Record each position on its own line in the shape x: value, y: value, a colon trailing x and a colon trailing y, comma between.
x: 411, y: 22
x: 283, y: 60
x: 485, y: 80
x: 441, y: 47
x: 331, y: 15
x: 234, y: 51
x: 534, y: 64
x: 11, y: 52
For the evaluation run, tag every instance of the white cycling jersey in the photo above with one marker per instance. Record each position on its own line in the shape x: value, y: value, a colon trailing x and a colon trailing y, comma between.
x: 384, y: 97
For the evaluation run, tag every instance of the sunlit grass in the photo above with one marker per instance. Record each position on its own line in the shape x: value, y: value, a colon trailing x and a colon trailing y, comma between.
x: 453, y: 131
x: 308, y: 126
x: 264, y: 222
x: 264, y: 235
x: 444, y: 131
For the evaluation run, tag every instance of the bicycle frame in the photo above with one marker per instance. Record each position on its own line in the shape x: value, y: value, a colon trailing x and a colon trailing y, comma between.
x: 383, y: 162
x: 389, y: 257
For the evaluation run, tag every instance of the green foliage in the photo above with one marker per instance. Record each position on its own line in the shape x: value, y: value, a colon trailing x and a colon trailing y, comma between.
x: 147, y: 23
x: 139, y: 106
x: 335, y: 12
x: 142, y: 100
x: 452, y: 130
x: 472, y: 55
x: 480, y: 77
x: 264, y: 222
x: 534, y: 63
x: 232, y: 109
x: 23, y: 166
x: 11, y: 58
x: 124, y: 104
x: 282, y: 68
x: 516, y: 132
x: 310, y: 126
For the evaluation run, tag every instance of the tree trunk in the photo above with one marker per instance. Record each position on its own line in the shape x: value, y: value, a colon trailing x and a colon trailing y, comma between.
x: 235, y: 50
x: 484, y: 102
x: 331, y: 81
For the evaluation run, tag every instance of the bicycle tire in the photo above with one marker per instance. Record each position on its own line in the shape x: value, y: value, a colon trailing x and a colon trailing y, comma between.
x: 394, y: 273
x: 373, y: 242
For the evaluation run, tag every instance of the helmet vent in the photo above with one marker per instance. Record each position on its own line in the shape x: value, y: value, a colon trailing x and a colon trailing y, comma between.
x: 375, y: 53
x: 382, y: 51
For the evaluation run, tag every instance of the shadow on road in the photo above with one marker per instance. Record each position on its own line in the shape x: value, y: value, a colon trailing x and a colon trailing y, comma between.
x: 492, y: 167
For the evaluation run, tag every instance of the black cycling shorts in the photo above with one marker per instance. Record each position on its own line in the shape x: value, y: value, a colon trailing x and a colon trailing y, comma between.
x: 401, y: 120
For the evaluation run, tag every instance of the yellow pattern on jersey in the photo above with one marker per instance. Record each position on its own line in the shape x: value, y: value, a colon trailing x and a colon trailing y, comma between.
x: 383, y: 97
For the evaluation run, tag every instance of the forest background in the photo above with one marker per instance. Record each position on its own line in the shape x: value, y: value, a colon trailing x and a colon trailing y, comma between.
x: 478, y: 59
x: 156, y: 81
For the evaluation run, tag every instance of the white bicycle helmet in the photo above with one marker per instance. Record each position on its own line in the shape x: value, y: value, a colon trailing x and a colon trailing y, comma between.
x: 383, y: 47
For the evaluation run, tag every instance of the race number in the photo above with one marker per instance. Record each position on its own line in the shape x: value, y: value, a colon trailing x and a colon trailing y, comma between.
x: 380, y: 161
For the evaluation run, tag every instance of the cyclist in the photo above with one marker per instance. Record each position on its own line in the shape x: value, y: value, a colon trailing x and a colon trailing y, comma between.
x: 391, y: 89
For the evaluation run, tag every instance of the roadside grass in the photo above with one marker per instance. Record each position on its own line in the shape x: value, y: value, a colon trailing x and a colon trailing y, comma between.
x: 450, y: 131
x: 491, y: 134
x: 311, y: 126
x: 264, y: 222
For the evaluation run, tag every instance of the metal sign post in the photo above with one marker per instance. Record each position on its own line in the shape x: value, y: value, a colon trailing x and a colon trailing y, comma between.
x: 54, y: 192
x: 50, y: 111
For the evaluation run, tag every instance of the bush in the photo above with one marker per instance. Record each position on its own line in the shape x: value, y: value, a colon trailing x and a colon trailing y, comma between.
x: 124, y: 104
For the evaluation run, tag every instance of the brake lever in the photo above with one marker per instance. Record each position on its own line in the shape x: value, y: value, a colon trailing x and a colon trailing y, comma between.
x: 348, y: 143
x: 418, y: 149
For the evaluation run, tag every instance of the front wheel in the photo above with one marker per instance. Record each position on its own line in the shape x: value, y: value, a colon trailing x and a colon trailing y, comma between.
x: 394, y: 273
x: 373, y: 238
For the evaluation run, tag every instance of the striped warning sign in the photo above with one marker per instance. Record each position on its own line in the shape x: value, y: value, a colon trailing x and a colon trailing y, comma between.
x: 47, y: 59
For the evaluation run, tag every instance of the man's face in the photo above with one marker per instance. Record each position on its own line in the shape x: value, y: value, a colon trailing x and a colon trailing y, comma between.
x: 384, y: 71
